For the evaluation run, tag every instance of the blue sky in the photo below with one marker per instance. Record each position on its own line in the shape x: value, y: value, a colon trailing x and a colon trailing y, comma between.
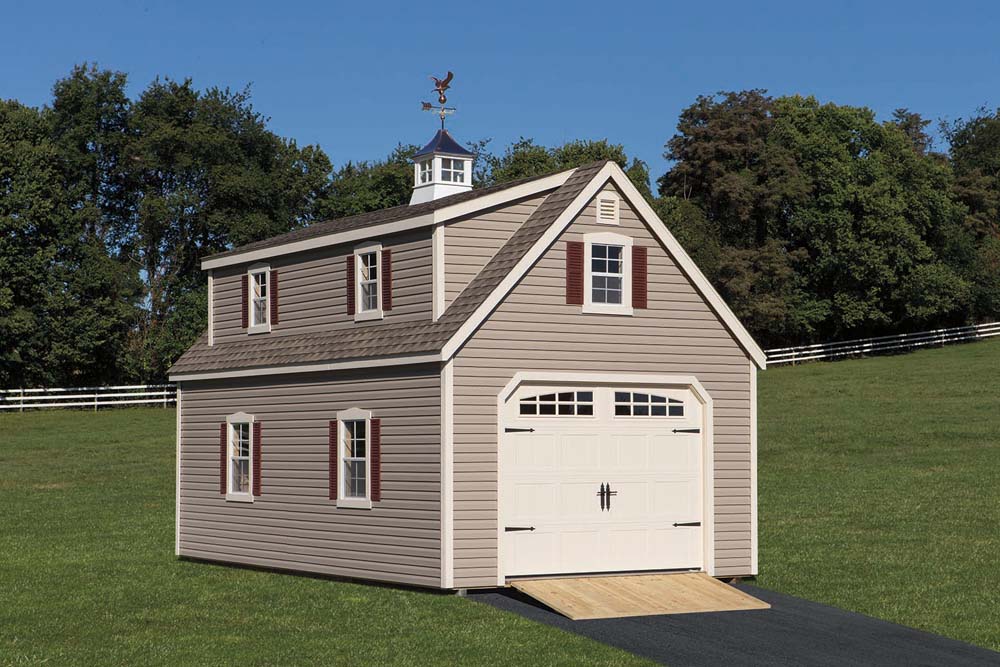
x: 350, y: 76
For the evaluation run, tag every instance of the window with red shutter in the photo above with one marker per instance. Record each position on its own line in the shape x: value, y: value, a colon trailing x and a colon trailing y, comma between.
x: 274, y: 296
x: 349, y: 270
x: 386, y: 278
x: 376, y: 459
x: 256, y: 458
x: 223, y: 443
x: 640, y: 277
x: 574, y: 273
x: 245, y: 307
x: 332, y: 443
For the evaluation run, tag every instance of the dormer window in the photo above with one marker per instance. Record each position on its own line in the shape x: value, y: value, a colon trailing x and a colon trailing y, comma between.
x: 452, y: 170
x: 368, y: 283
x: 426, y: 171
x: 371, y: 268
x: 257, y: 290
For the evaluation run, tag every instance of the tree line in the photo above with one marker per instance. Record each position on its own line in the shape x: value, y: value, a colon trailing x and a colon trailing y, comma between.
x: 815, y: 221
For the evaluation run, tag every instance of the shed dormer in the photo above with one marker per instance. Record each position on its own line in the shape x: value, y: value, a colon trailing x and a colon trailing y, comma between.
x: 441, y: 168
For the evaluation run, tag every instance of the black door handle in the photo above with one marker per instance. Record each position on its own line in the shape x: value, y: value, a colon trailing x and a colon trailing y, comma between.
x: 610, y: 493
x: 602, y: 493
x: 688, y: 523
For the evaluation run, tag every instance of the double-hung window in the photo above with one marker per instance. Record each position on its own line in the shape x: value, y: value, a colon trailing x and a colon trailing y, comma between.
x: 355, y: 446
x: 239, y: 485
x: 368, y: 282
x: 607, y: 275
x: 258, y: 296
x: 452, y: 171
x: 607, y: 288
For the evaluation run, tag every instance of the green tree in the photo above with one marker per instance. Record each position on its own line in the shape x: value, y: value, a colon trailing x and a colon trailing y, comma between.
x: 526, y: 159
x: 359, y: 187
x: 208, y: 175
x: 974, y: 149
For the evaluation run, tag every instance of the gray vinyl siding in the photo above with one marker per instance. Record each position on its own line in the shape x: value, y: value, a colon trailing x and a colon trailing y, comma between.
x: 534, y: 330
x: 312, y: 290
x: 293, y: 524
x: 469, y: 243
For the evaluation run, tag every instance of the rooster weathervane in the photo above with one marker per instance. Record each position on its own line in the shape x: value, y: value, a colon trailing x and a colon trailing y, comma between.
x: 441, y: 85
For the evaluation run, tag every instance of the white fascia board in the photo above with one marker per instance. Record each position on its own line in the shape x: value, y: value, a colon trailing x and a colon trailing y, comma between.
x: 308, y: 368
x: 363, y: 233
x: 614, y: 173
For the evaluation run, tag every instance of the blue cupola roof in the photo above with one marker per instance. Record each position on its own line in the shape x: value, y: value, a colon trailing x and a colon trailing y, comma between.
x: 443, y: 143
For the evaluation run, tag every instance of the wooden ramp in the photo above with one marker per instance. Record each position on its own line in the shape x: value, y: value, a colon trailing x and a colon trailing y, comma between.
x: 637, y: 595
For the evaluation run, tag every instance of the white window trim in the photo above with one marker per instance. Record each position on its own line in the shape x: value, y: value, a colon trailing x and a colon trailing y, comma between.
x: 608, y: 238
x: 452, y: 171
x: 262, y: 327
x: 238, y: 418
x: 354, y: 414
x: 612, y: 197
x: 367, y: 315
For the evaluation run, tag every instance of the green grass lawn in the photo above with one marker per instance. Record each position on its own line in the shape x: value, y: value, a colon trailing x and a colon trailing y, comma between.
x: 879, y: 486
x: 88, y: 575
x: 879, y: 492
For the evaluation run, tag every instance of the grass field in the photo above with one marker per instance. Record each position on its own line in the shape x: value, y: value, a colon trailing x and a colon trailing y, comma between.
x: 88, y: 575
x: 879, y: 492
x: 879, y: 487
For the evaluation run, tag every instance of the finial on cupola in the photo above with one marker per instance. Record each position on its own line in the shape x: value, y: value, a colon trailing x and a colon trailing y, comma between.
x: 442, y: 167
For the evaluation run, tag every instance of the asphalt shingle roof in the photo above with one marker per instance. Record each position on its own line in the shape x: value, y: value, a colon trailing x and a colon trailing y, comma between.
x: 388, y: 339
x: 371, y: 218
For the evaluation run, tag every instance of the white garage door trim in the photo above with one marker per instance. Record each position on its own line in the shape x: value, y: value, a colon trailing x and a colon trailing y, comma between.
x: 622, y: 380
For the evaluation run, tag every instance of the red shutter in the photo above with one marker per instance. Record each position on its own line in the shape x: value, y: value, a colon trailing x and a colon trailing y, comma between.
x: 223, y: 428
x: 387, y: 279
x: 574, y: 273
x: 244, y: 282
x: 256, y: 458
x: 332, y: 443
x: 350, y: 284
x: 376, y: 459
x: 273, y: 286
x: 640, y: 277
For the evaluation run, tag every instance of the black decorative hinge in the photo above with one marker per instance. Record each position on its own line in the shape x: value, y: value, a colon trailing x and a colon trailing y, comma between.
x: 687, y: 430
x: 688, y: 523
x: 517, y: 529
x: 511, y: 429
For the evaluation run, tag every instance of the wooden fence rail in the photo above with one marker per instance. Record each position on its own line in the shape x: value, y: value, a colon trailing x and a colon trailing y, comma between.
x: 88, y: 397
x: 859, y: 346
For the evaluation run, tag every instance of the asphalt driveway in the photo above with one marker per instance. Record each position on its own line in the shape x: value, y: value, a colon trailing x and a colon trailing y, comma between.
x: 792, y: 632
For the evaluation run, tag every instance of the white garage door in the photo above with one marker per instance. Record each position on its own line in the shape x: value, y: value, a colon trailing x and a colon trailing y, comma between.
x: 600, y: 479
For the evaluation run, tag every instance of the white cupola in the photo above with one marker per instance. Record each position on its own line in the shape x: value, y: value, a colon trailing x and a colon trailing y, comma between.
x: 441, y: 168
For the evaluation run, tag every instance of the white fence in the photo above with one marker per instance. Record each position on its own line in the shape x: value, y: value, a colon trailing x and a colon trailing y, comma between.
x: 791, y: 355
x: 88, y: 397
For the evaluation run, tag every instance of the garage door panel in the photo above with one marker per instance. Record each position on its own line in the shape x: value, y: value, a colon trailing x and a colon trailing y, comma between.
x: 551, y: 477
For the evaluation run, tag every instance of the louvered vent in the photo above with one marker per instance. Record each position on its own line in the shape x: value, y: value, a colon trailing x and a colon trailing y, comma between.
x: 607, y: 210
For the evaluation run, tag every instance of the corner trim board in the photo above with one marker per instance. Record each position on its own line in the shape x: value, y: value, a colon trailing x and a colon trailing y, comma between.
x: 447, y: 475
x: 754, y: 539
x: 177, y: 481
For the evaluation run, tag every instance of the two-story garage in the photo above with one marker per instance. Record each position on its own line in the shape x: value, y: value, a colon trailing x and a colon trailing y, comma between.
x: 486, y: 384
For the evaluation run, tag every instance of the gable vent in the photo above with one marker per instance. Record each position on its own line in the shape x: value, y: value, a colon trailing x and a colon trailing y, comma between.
x: 607, y: 210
